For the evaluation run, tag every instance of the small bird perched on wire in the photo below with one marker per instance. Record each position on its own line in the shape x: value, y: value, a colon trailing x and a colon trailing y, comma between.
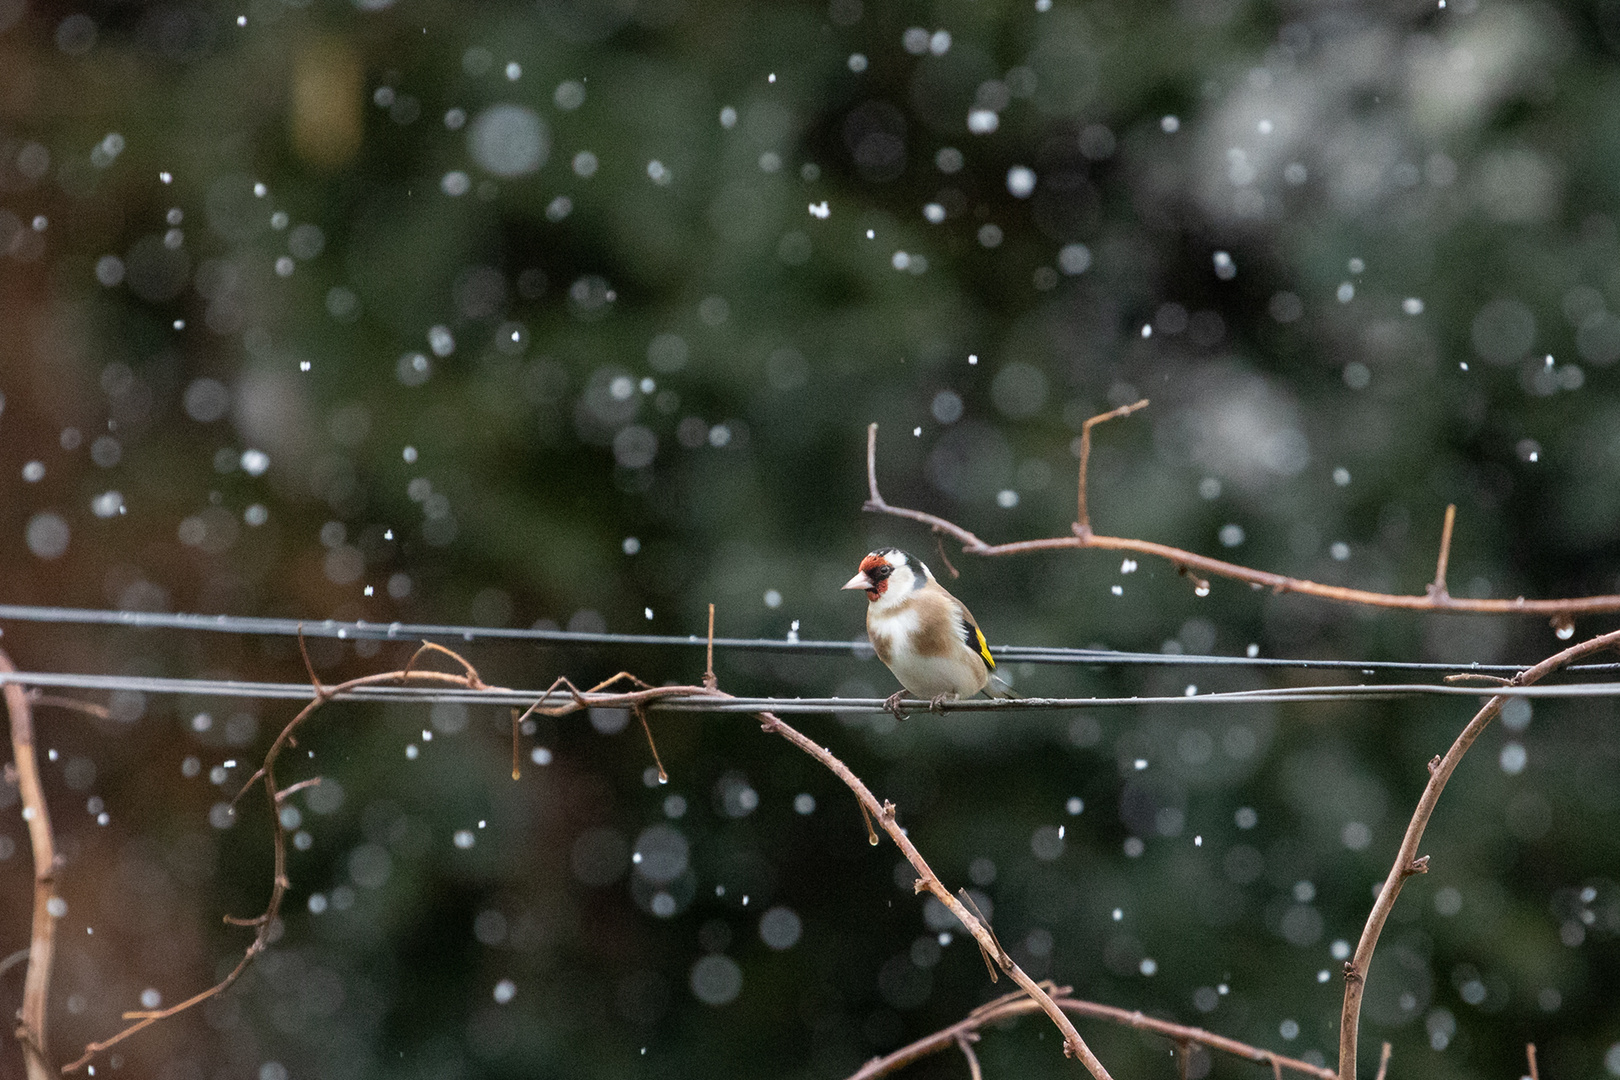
x: 926, y: 636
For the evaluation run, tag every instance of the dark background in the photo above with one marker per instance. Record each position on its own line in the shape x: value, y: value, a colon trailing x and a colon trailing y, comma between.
x: 563, y: 253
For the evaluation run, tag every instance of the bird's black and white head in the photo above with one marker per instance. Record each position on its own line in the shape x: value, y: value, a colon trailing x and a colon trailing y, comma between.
x: 888, y: 574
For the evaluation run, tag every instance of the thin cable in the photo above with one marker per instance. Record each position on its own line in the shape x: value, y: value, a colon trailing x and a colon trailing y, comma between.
x: 701, y: 703
x: 860, y: 648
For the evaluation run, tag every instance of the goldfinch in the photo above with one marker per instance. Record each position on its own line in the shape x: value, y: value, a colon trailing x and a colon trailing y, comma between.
x: 926, y: 636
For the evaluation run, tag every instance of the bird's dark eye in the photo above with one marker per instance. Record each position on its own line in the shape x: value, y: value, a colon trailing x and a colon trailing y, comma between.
x: 881, y: 572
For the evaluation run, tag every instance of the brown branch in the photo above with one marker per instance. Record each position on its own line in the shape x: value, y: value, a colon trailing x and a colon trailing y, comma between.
x: 964, y: 1043
x: 1082, y: 517
x: 37, y: 697
x: 928, y: 881
x: 1019, y: 1003
x: 265, y: 922
x: 1561, y: 611
x: 517, y: 773
x: 13, y: 960
x: 292, y: 789
x: 37, y: 982
x: 641, y: 714
x: 1439, y: 586
x: 466, y: 668
x: 944, y: 558
x: 1407, y: 861
x: 709, y: 680
x: 1530, y: 1052
x: 309, y: 666
x: 1383, y: 1062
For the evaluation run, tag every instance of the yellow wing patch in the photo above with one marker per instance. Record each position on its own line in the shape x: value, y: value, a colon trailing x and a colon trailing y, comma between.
x: 984, y: 650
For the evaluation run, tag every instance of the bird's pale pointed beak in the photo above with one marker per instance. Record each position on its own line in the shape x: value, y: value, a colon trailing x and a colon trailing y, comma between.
x: 859, y: 581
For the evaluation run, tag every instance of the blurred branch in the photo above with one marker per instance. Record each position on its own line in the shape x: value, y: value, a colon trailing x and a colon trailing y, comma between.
x: 265, y: 923
x: 569, y: 699
x: 1192, y: 564
x: 1530, y: 1052
x: 88, y: 708
x: 964, y: 1042
x: 1439, y: 586
x: 884, y: 813
x: 928, y: 881
x: 37, y: 981
x: 1017, y: 1004
x: 1407, y: 860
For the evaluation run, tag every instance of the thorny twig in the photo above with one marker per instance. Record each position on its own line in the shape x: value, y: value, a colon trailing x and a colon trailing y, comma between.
x: 42, y: 946
x: 1192, y: 564
x: 1408, y: 863
x: 1018, y: 1003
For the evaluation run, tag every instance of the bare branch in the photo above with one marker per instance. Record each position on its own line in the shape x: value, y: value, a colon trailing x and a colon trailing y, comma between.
x: 1560, y: 611
x: 287, y: 792
x: 641, y: 714
x: 1407, y: 861
x: 944, y: 558
x: 516, y: 771
x: 1383, y: 1062
x: 875, y: 503
x: 1478, y: 676
x: 1082, y: 517
x: 265, y: 922
x: 42, y: 946
x: 964, y: 1043
x: 1439, y: 586
x: 1018, y: 1003
x: 89, y: 708
x: 467, y: 669
x: 1530, y: 1052
x: 709, y: 680
x: 309, y: 665
x: 13, y: 960
x: 1073, y: 1044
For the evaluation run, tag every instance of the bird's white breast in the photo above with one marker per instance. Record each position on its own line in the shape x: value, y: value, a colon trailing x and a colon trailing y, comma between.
x: 924, y: 676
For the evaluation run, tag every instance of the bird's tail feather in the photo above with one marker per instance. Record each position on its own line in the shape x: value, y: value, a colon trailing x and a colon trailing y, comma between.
x: 998, y: 687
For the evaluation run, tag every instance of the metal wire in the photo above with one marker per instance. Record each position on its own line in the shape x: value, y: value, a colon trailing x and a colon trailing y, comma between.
x: 399, y: 631
x: 699, y: 703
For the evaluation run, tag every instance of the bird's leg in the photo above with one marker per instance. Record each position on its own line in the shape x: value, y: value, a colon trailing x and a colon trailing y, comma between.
x: 935, y: 702
x: 892, y: 704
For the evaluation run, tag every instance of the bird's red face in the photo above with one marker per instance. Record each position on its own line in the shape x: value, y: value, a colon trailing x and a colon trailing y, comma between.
x: 873, y: 576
